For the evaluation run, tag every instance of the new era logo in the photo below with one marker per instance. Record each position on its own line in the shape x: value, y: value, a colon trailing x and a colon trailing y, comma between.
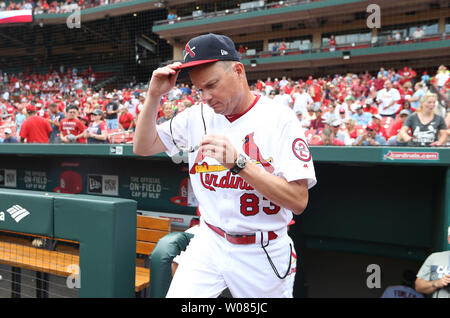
x: 223, y: 52
x: 17, y: 212
x: 94, y: 184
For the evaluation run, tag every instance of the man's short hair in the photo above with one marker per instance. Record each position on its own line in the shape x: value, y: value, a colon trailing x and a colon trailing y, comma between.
x: 327, y: 132
x: 72, y: 107
x: 225, y: 64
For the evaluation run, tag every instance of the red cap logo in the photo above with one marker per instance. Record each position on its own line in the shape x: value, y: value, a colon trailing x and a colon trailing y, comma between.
x: 189, y: 51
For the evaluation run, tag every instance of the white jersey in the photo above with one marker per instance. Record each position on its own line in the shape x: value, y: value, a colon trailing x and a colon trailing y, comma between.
x: 268, y: 136
x: 442, y: 78
x: 302, y: 101
x: 387, y: 97
x: 285, y: 100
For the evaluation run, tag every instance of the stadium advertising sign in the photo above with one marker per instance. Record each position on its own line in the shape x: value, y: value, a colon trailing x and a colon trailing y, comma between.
x: 101, y: 184
x: 8, y: 178
x: 410, y: 156
x: 163, y: 187
x: 16, y: 16
x: 26, y: 213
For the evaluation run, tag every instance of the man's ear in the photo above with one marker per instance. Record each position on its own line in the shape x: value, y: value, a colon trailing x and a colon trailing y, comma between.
x: 239, y: 69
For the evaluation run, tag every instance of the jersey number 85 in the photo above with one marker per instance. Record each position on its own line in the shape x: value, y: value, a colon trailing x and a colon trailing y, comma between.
x: 250, y: 205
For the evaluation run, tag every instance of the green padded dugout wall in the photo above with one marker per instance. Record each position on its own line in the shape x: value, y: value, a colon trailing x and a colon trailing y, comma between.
x: 105, y: 228
x: 26, y: 211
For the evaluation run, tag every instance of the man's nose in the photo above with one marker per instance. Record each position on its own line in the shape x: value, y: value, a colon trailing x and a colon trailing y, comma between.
x: 206, y: 96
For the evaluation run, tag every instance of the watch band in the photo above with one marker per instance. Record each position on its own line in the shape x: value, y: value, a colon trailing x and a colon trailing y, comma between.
x: 236, y: 169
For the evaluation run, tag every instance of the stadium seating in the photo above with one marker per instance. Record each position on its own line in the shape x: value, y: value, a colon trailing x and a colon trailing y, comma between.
x: 85, y: 102
x: 118, y: 136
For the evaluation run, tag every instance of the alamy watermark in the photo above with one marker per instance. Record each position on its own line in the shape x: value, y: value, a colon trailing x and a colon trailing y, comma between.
x: 74, y: 279
x: 374, y: 19
x: 374, y: 279
x: 74, y: 19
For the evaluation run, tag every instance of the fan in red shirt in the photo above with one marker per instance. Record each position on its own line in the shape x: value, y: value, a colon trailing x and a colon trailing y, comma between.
x: 259, y: 85
x: 332, y: 44
x: 283, y: 48
x: 315, y: 91
x: 34, y: 129
x: 406, y: 92
x: 11, y: 109
x: 317, y: 123
x: 380, y: 130
x: 126, y: 119
x: 399, y: 123
x: 71, y: 127
x: 41, y: 112
x: 369, y: 107
x: 407, y: 74
x: 379, y: 82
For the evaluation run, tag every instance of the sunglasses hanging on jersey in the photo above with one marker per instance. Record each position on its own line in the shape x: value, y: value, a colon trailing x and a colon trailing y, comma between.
x: 191, y: 148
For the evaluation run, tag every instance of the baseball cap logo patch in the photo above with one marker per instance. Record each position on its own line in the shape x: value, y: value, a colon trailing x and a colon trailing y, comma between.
x: 189, y: 51
x: 208, y: 48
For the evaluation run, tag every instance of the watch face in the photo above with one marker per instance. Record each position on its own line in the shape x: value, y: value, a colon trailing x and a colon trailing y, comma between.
x: 241, y: 161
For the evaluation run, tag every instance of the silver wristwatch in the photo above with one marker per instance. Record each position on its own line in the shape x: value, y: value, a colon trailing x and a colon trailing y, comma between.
x: 239, y: 164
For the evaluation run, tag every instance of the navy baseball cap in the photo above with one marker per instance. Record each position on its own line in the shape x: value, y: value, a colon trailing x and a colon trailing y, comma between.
x: 208, y: 48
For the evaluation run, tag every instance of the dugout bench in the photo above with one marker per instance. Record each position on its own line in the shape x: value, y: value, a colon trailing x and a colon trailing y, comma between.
x: 110, y: 243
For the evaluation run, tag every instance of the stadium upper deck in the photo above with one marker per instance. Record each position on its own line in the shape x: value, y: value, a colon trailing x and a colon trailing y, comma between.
x: 306, y: 27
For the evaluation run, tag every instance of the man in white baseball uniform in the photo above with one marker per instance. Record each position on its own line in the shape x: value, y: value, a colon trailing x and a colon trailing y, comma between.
x: 250, y: 169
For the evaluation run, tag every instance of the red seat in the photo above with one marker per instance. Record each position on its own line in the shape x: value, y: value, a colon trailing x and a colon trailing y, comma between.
x: 118, y: 139
x: 112, y: 133
x: 130, y: 137
x: 436, y: 38
x: 120, y: 136
x: 309, y: 134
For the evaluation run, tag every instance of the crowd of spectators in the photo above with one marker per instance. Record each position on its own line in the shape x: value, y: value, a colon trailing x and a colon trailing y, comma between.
x: 48, y: 6
x: 368, y: 109
x: 344, y: 109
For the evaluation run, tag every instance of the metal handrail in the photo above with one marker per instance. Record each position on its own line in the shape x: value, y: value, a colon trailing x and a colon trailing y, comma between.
x: 326, y: 48
x: 233, y: 11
